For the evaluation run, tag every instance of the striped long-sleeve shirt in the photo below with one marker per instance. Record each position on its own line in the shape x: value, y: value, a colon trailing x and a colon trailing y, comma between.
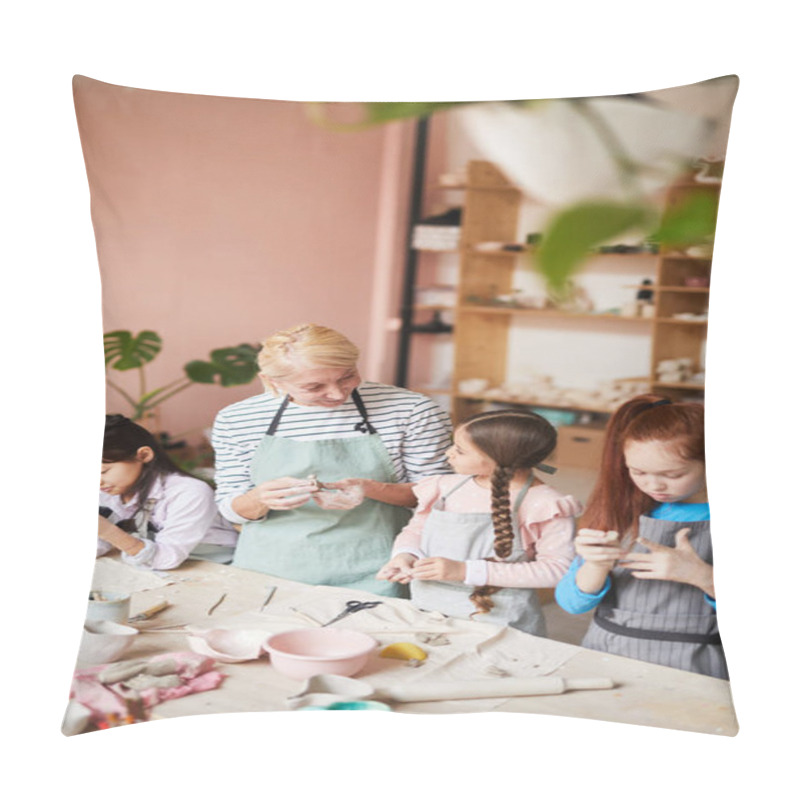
x: 414, y: 429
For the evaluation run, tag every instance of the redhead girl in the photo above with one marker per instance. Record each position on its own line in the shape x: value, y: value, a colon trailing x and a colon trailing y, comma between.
x: 151, y: 511
x: 644, y: 558
x: 483, y: 540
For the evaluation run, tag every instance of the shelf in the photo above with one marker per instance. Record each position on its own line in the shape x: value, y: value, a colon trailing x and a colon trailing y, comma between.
x: 532, y: 401
x: 683, y: 257
x: 683, y: 289
x: 695, y: 386
x: 670, y: 321
x: 472, y: 187
x: 546, y: 312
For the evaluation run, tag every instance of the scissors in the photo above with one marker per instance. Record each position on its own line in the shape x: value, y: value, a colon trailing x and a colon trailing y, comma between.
x: 351, y: 607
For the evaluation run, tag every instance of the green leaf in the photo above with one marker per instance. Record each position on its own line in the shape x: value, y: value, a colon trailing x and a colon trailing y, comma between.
x: 690, y: 221
x: 377, y: 114
x: 573, y: 233
x: 125, y: 351
x: 233, y: 365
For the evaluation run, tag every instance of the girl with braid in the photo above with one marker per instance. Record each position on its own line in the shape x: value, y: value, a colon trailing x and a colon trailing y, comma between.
x: 482, y: 541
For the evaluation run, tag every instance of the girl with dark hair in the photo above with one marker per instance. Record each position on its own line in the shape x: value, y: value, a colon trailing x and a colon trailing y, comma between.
x: 153, y: 512
x: 482, y: 544
x: 644, y: 557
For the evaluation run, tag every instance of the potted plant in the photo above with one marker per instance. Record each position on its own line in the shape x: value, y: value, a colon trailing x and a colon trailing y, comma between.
x: 124, y: 351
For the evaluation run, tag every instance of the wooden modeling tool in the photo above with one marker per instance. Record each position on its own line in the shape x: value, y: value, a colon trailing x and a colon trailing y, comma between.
x: 149, y: 612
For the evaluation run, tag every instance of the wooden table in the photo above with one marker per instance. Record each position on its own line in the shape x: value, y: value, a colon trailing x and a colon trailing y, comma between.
x: 644, y: 694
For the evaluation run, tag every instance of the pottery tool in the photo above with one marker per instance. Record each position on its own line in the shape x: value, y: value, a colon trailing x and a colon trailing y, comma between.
x: 428, y: 691
x: 420, y: 692
x: 352, y: 607
x: 216, y: 605
x: 149, y: 612
x: 270, y: 592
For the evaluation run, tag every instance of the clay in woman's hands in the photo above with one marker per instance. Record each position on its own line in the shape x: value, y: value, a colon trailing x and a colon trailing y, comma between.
x: 341, y: 499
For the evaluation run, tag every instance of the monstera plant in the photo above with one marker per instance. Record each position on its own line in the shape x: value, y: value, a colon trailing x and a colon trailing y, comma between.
x: 124, y: 351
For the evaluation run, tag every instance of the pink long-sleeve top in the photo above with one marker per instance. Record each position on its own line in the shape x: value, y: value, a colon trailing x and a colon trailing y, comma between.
x: 546, y: 519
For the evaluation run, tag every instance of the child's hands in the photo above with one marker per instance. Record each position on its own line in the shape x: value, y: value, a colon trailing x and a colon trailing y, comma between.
x: 680, y: 563
x: 440, y: 569
x: 398, y: 569
x: 601, y: 548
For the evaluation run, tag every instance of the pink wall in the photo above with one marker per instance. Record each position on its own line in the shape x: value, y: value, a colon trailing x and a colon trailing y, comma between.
x: 220, y: 220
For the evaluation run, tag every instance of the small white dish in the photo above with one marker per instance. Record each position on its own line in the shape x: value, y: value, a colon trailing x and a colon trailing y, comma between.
x: 229, y: 646
x: 104, y: 641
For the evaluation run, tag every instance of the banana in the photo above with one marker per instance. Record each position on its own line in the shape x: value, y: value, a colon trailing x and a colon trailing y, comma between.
x: 405, y: 651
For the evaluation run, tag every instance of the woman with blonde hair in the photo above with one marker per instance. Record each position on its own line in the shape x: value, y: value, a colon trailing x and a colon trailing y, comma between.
x: 318, y: 468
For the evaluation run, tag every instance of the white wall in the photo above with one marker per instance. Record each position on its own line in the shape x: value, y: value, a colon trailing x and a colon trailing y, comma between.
x: 580, y: 353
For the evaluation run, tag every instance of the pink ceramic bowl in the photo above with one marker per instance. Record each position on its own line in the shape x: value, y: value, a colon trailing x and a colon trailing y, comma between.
x: 302, y: 653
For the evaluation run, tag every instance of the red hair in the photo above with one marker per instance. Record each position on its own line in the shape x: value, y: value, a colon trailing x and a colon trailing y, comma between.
x: 616, y: 503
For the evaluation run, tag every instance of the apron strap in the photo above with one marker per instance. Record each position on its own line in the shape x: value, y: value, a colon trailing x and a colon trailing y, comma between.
x: 522, y: 492
x: 454, y: 489
x: 364, y: 426
x: 273, y: 426
x: 144, y: 530
x: 517, y: 503
x: 662, y: 636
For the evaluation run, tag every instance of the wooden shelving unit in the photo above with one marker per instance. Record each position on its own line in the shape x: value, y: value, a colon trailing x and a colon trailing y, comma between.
x: 672, y: 337
x: 490, y: 213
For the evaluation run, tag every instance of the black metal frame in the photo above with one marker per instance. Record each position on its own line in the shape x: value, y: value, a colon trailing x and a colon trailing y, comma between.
x: 410, y: 271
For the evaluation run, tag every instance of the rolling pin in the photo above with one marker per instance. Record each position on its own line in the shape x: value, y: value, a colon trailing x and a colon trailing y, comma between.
x: 421, y: 692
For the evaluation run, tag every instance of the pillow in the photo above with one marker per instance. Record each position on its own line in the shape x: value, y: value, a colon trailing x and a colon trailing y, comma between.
x: 556, y: 259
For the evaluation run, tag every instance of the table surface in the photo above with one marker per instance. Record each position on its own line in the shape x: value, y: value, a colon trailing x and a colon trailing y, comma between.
x: 644, y: 694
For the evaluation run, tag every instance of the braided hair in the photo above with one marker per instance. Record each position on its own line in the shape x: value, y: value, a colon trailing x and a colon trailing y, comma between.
x: 515, y: 441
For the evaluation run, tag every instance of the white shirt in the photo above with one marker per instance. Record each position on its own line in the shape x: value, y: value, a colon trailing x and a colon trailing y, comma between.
x: 184, y: 514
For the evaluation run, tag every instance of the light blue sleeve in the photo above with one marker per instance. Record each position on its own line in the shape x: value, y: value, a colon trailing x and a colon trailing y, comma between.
x: 571, y: 598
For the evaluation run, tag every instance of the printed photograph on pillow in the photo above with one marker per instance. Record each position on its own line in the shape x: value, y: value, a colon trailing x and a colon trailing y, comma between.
x: 405, y: 407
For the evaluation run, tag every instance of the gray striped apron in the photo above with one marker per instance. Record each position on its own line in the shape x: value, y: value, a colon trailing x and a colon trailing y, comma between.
x: 663, y: 622
x: 463, y: 536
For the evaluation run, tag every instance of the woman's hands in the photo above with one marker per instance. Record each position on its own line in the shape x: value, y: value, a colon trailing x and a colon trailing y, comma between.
x: 340, y: 495
x: 398, y: 569
x: 394, y: 494
x: 280, y: 494
x: 405, y: 567
x: 680, y: 563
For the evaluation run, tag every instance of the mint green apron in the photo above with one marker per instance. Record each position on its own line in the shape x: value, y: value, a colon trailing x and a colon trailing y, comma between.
x: 317, y: 546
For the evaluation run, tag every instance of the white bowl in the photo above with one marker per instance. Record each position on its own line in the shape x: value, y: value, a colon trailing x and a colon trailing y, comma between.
x: 302, y: 653
x: 113, y: 606
x: 104, y: 641
x: 229, y: 646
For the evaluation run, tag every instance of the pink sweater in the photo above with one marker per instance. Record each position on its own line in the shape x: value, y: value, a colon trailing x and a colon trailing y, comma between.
x: 546, y: 525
